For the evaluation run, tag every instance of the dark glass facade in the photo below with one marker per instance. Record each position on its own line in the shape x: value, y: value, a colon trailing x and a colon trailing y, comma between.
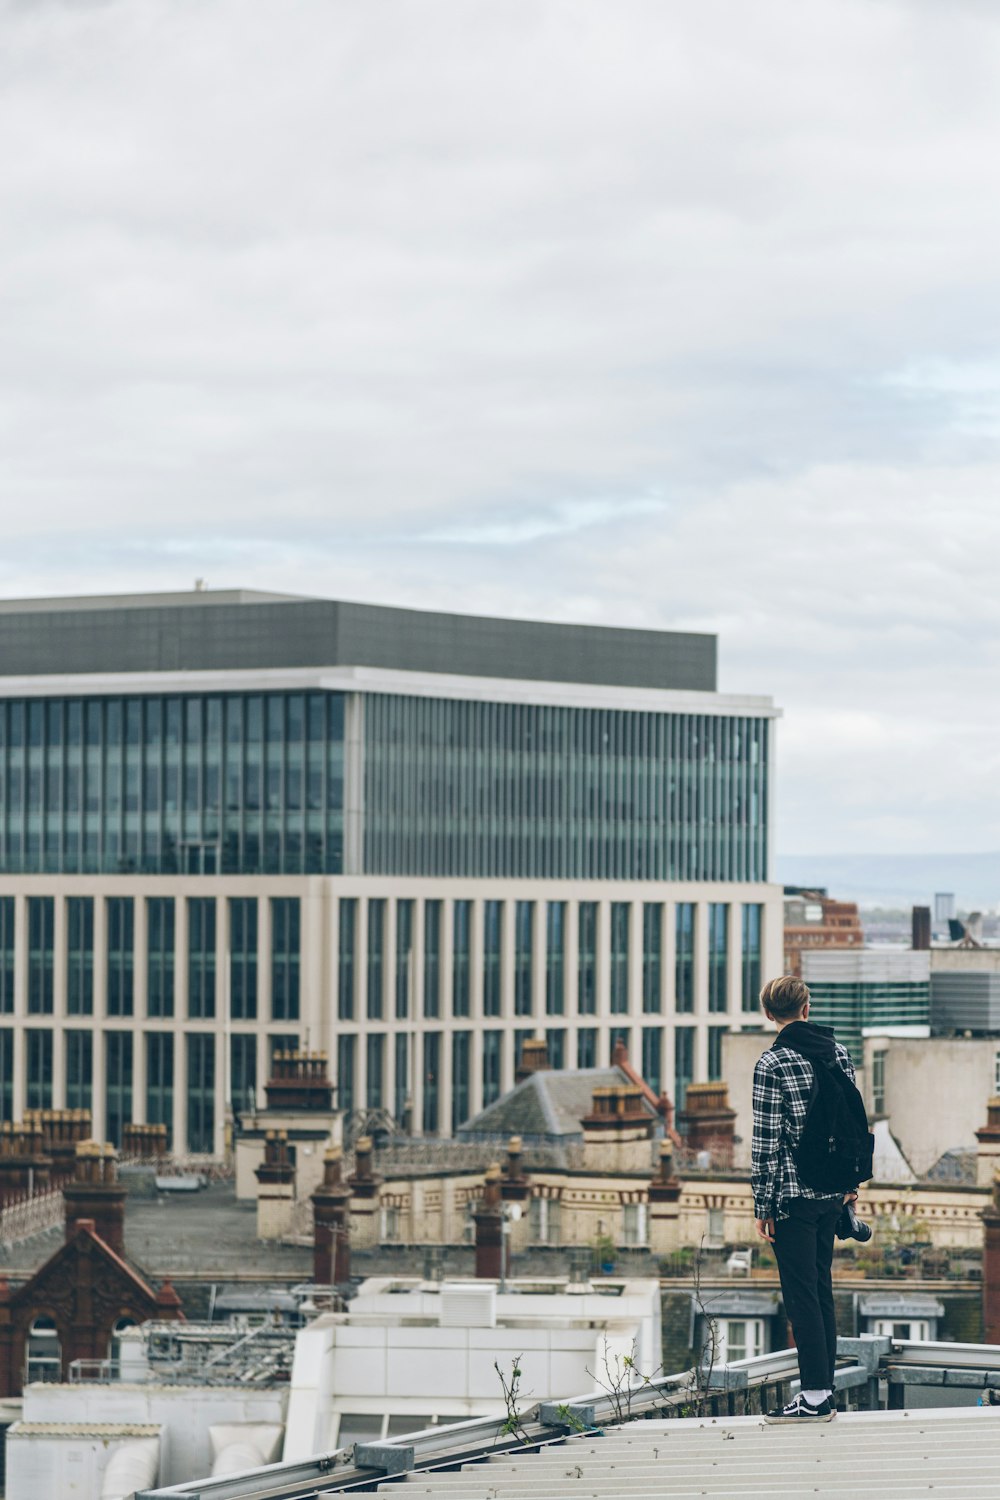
x: 512, y: 789
x: 254, y: 783
x: 235, y: 783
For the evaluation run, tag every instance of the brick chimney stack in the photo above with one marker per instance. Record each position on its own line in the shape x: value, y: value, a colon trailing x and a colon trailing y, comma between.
x: 988, y: 1151
x: 95, y: 1193
x: 366, y: 1194
x: 24, y: 1167
x: 299, y: 1081
x: 664, y: 1195
x: 920, y: 928
x: 991, y: 1266
x: 516, y: 1186
x: 488, y: 1217
x: 331, y: 1224
x: 707, y: 1122
x: 534, y: 1058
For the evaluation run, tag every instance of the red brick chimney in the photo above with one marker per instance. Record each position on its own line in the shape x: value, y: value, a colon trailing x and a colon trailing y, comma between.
x: 488, y: 1217
x: 991, y: 1266
x: 707, y: 1122
x: 534, y: 1058
x: 331, y: 1224
x: 300, y: 1082
x: 516, y: 1185
x: 95, y: 1193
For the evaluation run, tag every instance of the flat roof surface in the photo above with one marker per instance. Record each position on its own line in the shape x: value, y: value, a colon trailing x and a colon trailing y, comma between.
x: 211, y: 1234
x: 895, y: 1455
x: 243, y: 630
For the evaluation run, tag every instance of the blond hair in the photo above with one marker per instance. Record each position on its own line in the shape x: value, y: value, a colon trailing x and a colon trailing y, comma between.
x: 784, y: 998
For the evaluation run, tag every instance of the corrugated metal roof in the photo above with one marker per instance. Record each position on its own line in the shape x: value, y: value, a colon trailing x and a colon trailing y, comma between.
x: 952, y: 1452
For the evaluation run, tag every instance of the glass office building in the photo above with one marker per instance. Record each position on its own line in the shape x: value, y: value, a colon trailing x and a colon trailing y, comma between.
x: 254, y: 783
x: 204, y: 796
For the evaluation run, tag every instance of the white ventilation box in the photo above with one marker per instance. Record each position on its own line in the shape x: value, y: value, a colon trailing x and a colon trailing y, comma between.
x: 469, y: 1306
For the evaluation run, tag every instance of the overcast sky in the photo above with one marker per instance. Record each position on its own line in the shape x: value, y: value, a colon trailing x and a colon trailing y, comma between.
x: 666, y: 314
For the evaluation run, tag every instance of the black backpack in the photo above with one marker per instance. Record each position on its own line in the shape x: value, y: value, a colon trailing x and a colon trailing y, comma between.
x: 835, y: 1150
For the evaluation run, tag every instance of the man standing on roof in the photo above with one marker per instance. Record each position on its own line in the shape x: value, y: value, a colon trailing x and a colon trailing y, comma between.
x: 799, y: 1220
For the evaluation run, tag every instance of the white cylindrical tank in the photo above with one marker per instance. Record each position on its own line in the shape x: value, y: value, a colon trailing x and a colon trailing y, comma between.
x: 133, y: 1466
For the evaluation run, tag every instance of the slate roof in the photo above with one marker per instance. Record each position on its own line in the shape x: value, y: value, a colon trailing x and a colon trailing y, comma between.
x: 549, y: 1103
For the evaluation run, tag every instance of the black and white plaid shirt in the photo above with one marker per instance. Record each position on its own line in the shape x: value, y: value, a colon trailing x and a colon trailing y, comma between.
x: 782, y: 1083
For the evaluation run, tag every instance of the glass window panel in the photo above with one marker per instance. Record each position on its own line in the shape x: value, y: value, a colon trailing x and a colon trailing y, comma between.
x: 524, y: 939
x: 620, y: 913
x: 80, y: 956
x: 431, y: 1122
x: 652, y: 957
x: 160, y: 926
x: 375, y: 1064
x: 555, y: 958
x: 432, y: 958
x: 243, y: 1072
x: 376, y: 958
x: 718, y: 956
x: 492, y: 1056
x: 346, y: 957
x: 120, y: 913
x: 200, y: 1093
x: 243, y: 958
x: 285, y: 957
x: 117, y: 1083
x: 751, y: 974
x: 38, y: 1059
x: 404, y: 956
x: 41, y: 954
x: 346, y: 1068
x: 160, y: 1080
x: 461, y: 949
x: 6, y: 955
x: 79, y: 1069
x: 201, y: 957
x: 587, y: 958
x: 492, y: 956
x: 461, y: 1077
x: 684, y: 958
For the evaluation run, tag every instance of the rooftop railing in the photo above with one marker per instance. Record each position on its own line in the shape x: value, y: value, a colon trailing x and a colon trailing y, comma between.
x: 870, y: 1368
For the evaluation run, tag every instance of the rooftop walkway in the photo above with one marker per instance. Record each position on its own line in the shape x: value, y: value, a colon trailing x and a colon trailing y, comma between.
x: 894, y: 1455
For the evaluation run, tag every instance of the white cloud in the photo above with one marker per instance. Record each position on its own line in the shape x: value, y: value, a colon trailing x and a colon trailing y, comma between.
x: 393, y: 300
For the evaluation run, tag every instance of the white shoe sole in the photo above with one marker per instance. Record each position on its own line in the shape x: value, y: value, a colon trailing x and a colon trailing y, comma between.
x: 800, y: 1421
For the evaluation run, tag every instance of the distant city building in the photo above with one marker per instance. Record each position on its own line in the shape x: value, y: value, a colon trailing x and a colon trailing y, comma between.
x: 814, y: 921
x: 888, y: 988
x: 944, y: 907
x: 237, y: 825
x: 965, y: 990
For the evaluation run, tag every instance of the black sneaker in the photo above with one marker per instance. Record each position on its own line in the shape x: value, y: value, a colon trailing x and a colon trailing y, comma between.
x: 800, y: 1410
x: 850, y: 1227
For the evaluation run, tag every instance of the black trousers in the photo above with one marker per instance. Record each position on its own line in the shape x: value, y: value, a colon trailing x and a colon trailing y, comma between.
x: 803, y: 1245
